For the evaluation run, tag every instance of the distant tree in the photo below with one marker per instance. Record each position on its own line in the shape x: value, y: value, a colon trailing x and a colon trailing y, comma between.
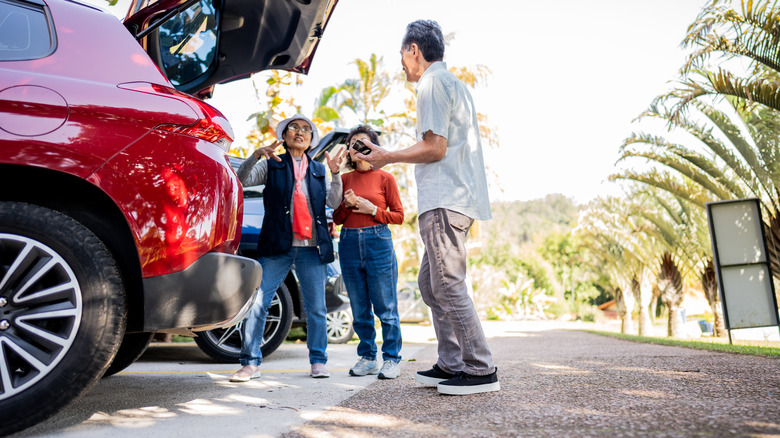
x: 616, y: 237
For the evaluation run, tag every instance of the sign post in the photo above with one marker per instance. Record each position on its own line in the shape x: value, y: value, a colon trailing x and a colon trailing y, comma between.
x: 742, y: 264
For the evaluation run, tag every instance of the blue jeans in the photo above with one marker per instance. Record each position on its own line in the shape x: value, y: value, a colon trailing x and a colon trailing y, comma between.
x: 311, y: 273
x: 370, y: 272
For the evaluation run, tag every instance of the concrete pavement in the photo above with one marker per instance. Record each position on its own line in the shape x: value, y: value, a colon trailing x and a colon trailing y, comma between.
x: 176, y: 390
x: 555, y: 382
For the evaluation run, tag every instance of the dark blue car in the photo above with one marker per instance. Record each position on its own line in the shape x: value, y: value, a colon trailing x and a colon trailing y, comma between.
x: 287, y: 306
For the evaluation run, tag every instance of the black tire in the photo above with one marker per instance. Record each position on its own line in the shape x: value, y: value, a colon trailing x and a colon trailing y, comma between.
x: 224, y: 345
x: 339, y: 325
x: 59, y: 331
x: 132, y: 347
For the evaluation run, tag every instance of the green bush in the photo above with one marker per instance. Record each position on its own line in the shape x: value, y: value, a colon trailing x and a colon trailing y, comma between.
x: 558, y: 309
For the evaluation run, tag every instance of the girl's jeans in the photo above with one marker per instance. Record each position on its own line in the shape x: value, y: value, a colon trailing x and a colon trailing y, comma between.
x: 370, y: 272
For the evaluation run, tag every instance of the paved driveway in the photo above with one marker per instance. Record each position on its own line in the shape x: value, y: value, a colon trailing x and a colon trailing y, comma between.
x: 568, y: 383
x: 176, y: 390
x: 555, y: 382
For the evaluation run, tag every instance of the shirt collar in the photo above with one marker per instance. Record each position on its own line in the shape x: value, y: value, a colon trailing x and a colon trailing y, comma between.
x: 432, y: 70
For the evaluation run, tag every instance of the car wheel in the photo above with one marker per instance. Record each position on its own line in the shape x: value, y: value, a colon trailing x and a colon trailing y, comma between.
x: 339, y: 324
x: 62, y: 312
x: 224, y: 345
x: 132, y: 347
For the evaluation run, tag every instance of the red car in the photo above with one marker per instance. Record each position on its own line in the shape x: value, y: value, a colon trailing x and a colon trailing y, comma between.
x: 120, y: 215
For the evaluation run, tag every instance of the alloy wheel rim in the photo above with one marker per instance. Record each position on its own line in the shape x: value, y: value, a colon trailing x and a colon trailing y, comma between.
x: 40, y: 312
x: 338, y: 324
x: 229, y: 339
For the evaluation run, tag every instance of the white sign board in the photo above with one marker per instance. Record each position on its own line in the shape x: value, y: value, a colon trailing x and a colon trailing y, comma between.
x: 741, y: 264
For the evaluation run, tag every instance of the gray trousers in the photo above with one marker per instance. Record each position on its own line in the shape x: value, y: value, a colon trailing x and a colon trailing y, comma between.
x: 442, y: 281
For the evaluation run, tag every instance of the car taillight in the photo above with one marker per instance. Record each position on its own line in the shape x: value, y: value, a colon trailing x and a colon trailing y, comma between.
x: 212, y: 126
x: 204, y: 130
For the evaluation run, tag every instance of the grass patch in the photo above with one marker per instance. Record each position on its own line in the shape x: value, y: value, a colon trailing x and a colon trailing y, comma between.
x: 711, y: 344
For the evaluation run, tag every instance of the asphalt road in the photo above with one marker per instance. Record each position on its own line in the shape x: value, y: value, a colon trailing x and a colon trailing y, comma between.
x: 554, y: 382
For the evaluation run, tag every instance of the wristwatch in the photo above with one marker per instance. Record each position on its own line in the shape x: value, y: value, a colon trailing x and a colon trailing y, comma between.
x: 373, y: 213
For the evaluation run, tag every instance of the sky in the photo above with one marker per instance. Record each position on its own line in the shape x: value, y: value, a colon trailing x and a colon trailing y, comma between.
x: 568, y: 78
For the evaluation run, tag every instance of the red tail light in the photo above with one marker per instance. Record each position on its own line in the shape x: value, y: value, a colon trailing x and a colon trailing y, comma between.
x: 212, y: 126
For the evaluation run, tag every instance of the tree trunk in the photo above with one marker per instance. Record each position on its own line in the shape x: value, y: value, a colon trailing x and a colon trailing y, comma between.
x: 654, y: 303
x: 709, y: 283
x: 625, y: 305
x: 643, y: 292
x: 675, y: 326
x: 772, y: 231
x: 670, y: 284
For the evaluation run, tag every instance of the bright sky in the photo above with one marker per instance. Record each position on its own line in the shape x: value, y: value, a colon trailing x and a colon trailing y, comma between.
x: 568, y: 78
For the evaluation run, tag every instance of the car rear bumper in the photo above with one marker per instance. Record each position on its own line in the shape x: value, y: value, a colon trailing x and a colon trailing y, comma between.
x: 215, y: 291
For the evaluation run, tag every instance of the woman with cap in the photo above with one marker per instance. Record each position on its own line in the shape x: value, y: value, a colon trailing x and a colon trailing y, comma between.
x: 294, y: 233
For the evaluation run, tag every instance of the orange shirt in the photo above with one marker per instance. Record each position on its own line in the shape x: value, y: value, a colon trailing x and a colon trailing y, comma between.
x: 380, y: 188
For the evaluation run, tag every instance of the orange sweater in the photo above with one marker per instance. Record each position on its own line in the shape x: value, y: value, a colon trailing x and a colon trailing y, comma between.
x: 380, y: 188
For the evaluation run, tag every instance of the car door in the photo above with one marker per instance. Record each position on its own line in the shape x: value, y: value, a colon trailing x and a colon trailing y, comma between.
x: 200, y: 43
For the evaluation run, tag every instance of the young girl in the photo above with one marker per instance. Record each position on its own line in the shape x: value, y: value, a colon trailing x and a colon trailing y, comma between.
x: 368, y: 263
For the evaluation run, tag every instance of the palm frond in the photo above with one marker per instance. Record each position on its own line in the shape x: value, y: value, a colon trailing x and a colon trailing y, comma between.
x: 669, y: 183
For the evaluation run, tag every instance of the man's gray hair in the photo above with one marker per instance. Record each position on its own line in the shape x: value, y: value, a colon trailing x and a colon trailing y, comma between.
x: 428, y: 37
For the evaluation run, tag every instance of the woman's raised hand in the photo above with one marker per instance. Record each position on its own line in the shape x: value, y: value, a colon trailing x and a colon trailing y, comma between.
x: 334, y: 163
x: 268, y: 151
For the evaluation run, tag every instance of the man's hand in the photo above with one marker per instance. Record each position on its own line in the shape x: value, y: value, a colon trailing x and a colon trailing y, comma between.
x: 335, y: 162
x: 378, y: 156
x: 268, y: 151
x: 432, y: 148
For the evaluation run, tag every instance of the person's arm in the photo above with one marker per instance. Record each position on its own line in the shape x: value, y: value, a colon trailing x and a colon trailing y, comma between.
x: 334, y: 189
x: 252, y: 172
x: 395, y: 214
x: 431, y: 148
x: 341, y: 214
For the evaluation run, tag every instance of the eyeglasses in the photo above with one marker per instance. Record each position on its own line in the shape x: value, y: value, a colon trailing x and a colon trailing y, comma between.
x: 301, y: 129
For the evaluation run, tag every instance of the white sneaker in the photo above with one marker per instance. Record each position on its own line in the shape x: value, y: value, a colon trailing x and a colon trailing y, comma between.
x: 364, y: 367
x: 246, y: 373
x: 390, y: 370
x: 319, y: 371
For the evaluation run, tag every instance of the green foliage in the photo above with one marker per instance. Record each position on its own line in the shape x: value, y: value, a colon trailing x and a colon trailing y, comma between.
x: 534, y: 241
x: 536, y: 268
x: 558, y: 309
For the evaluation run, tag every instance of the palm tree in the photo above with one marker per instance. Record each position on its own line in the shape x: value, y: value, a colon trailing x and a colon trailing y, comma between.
x: 731, y: 155
x: 748, y: 33
x: 615, y: 236
x: 364, y: 95
x: 680, y: 230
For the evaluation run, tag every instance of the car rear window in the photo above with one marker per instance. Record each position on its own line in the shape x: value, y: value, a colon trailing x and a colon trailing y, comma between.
x: 24, y: 31
x: 188, y: 42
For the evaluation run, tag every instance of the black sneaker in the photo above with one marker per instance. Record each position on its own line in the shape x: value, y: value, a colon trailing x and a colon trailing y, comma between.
x: 464, y: 384
x: 433, y: 376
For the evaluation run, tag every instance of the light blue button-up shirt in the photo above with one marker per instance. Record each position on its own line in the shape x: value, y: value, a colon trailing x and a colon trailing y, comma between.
x: 456, y: 182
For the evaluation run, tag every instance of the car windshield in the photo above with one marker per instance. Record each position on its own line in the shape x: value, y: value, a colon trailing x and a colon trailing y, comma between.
x: 188, y: 42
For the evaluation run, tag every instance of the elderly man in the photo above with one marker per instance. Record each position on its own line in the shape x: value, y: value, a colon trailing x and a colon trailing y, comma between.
x: 452, y: 193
